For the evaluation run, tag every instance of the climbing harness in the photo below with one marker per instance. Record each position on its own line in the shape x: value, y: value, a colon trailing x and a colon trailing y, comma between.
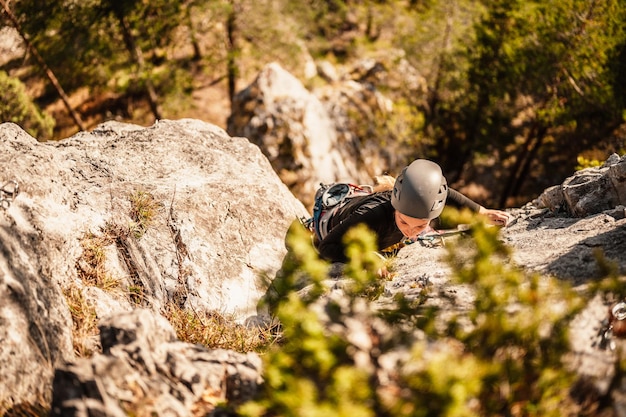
x: 617, y: 313
x: 8, y: 192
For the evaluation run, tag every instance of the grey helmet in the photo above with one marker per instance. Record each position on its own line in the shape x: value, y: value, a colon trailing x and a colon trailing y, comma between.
x: 420, y: 191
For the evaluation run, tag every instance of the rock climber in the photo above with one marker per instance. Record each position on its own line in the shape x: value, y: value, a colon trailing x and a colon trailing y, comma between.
x: 418, y: 197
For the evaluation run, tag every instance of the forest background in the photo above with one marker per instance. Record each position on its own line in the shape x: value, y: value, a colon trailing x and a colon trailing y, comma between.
x: 518, y: 93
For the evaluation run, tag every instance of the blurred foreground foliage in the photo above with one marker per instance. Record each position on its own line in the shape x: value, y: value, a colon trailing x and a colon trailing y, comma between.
x: 505, y: 357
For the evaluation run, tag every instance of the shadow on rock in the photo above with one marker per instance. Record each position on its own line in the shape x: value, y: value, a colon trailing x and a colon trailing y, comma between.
x: 581, y: 263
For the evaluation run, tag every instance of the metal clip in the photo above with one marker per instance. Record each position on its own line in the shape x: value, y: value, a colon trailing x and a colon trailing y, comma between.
x: 606, y: 332
x: 619, y: 311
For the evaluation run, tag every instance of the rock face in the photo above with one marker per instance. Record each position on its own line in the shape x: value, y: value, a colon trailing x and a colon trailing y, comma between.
x: 293, y: 128
x: 35, y: 323
x: 551, y: 243
x: 144, y: 369
x: 128, y: 220
x: 124, y: 217
x: 200, y: 190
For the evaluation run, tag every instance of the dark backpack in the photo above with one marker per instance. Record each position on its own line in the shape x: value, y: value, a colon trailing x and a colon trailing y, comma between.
x: 329, y: 198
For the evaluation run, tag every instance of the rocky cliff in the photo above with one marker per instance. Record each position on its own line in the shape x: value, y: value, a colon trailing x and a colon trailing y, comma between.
x: 126, y: 217
x: 130, y: 220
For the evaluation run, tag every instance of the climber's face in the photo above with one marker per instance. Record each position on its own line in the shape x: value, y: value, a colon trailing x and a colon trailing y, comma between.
x: 410, y: 226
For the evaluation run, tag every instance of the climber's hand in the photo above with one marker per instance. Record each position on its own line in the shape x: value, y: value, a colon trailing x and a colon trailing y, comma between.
x: 496, y: 217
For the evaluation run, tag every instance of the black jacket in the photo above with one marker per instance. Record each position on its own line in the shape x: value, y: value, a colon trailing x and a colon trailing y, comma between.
x: 377, y: 213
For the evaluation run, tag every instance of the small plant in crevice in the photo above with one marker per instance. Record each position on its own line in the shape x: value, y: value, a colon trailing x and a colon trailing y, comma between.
x: 136, y: 294
x: 91, y: 266
x: 143, y: 209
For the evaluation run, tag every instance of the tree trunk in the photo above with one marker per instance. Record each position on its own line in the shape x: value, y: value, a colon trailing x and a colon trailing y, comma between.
x: 468, y: 148
x: 515, y: 169
x: 521, y: 178
x: 433, y: 96
x: 42, y: 63
x: 137, y: 56
x: 520, y: 169
x: 197, y: 55
x: 232, y: 52
x: 371, y: 32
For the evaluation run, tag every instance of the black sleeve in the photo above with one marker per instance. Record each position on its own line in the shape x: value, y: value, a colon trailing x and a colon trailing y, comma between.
x: 459, y: 200
x: 331, y: 248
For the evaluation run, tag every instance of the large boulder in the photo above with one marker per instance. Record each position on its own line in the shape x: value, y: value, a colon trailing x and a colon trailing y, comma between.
x: 35, y: 323
x: 124, y: 216
x: 590, y: 190
x: 293, y: 129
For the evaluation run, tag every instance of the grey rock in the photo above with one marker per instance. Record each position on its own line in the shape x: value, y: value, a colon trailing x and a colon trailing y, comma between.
x: 35, y: 324
x: 552, y: 198
x: 293, y: 129
x: 617, y: 175
x: 206, y: 238
x: 144, y: 370
x: 215, y: 237
x: 613, y: 159
x: 589, y: 191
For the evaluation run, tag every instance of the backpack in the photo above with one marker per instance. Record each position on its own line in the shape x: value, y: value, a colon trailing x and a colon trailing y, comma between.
x: 329, y: 198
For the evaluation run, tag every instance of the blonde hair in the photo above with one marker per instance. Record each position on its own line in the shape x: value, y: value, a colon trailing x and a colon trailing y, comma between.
x: 383, y: 183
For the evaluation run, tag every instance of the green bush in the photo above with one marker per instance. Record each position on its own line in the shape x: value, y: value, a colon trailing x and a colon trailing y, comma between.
x: 583, y: 163
x: 520, y: 329
x: 17, y: 107
x: 312, y: 374
x: 505, y: 360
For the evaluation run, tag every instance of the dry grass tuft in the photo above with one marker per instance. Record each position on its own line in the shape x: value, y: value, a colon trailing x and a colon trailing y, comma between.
x: 40, y: 409
x: 85, y: 322
x: 136, y: 294
x: 143, y: 209
x: 91, y: 265
x: 216, y: 331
